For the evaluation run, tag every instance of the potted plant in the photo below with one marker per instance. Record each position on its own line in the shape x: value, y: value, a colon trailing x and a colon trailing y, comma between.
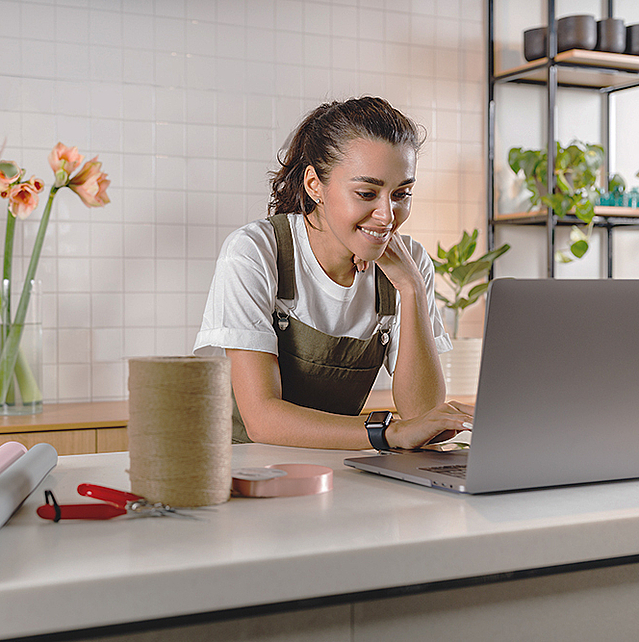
x: 459, y: 271
x: 576, y: 170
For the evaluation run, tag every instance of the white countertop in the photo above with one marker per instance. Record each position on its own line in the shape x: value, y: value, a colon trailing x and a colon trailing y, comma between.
x: 368, y: 533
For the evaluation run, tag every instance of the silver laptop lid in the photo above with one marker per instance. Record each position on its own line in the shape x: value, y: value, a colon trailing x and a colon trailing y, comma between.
x: 558, y: 398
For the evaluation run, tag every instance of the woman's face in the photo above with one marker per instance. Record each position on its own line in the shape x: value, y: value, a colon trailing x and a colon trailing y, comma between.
x: 366, y: 199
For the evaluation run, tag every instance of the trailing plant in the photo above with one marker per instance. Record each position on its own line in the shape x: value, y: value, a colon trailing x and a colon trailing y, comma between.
x: 576, y: 170
x: 458, y: 272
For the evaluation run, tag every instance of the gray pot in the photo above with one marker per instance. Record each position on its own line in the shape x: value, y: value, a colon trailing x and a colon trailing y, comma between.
x: 576, y: 32
x: 535, y: 43
x: 611, y: 35
x: 632, y: 39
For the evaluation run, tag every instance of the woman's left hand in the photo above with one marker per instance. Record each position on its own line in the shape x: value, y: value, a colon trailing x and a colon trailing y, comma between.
x: 398, y: 264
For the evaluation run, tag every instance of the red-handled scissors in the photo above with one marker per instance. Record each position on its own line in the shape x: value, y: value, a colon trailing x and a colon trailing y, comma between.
x: 118, y: 502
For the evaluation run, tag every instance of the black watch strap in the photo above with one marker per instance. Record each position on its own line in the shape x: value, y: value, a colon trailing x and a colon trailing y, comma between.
x: 376, y: 424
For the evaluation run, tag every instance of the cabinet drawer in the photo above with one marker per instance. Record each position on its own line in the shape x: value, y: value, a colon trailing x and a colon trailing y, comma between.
x: 66, y: 442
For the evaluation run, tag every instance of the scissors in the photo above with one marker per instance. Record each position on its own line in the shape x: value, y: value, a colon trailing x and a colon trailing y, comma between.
x: 117, y: 502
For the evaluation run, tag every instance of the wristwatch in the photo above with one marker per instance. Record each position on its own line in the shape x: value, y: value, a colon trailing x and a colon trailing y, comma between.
x: 376, y: 423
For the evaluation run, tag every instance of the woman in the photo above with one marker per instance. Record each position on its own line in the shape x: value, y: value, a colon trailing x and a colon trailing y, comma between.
x: 310, y: 302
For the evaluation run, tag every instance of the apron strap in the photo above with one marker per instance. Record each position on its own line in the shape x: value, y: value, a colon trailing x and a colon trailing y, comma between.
x: 384, y: 289
x: 285, y: 265
x: 384, y: 294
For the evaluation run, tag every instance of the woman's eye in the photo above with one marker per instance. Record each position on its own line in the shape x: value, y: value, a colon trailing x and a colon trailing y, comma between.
x: 400, y: 196
x: 366, y: 195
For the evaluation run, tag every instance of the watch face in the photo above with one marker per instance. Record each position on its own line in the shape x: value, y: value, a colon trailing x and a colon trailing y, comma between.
x: 377, y: 418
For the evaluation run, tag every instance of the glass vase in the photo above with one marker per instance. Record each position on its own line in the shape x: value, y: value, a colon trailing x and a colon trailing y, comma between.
x: 23, y: 349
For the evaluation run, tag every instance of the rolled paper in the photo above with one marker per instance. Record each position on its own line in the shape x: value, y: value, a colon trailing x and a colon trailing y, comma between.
x: 180, y: 429
x: 10, y: 452
x: 22, y: 477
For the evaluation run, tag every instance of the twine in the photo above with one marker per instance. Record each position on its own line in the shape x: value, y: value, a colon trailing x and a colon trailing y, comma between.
x: 180, y: 426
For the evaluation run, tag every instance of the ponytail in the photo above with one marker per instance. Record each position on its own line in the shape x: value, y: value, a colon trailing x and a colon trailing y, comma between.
x: 320, y: 140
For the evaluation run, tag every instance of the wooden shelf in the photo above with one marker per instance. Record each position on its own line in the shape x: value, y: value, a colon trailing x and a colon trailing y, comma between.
x: 580, y: 68
x: 539, y: 216
x: 70, y: 416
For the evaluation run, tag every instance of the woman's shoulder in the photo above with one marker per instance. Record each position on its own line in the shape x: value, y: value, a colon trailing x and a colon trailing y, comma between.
x: 256, y: 237
x: 418, y: 252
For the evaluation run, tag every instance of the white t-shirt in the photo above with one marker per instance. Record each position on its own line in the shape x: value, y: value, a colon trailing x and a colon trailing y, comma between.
x: 243, y: 295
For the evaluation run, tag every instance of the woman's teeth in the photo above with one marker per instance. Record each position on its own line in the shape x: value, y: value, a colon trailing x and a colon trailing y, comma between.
x: 377, y: 235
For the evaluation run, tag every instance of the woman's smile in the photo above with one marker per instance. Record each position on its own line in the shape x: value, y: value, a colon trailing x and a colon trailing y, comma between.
x: 378, y: 235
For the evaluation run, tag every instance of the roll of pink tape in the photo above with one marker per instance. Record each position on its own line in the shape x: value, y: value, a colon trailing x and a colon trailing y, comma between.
x: 283, y: 480
x: 10, y: 452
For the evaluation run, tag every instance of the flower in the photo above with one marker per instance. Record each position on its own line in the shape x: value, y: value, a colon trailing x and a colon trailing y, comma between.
x: 64, y: 161
x: 90, y: 184
x: 9, y: 173
x: 23, y: 197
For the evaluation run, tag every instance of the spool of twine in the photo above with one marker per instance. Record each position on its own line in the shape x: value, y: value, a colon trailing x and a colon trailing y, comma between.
x: 180, y: 426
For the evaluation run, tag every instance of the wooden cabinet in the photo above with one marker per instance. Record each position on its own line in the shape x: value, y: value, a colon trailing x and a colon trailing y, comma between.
x: 72, y: 428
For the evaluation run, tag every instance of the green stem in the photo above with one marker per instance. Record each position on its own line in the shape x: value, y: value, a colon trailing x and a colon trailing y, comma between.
x: 6, y: 274
x: 12, y: 344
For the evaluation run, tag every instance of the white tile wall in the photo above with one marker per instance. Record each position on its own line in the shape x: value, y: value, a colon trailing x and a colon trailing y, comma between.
x: 186, y: 103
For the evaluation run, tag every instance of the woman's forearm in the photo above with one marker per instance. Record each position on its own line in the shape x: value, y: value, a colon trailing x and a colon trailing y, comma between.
x: 418, y: 381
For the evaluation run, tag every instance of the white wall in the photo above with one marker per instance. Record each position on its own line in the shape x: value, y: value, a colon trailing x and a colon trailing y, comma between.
x: 186, y: 103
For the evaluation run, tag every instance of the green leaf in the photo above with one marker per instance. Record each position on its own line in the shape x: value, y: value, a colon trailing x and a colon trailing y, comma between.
x: 476, y: 292
x: 465, y: 274
x: 579, y: 248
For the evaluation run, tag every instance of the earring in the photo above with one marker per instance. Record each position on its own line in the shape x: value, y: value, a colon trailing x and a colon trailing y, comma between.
x: 319, y: 201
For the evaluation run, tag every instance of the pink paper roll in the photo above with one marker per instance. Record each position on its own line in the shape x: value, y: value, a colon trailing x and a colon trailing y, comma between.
x: 10, y: 452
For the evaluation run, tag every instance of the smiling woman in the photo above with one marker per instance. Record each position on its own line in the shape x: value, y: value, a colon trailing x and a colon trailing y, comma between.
x: 312, y: 301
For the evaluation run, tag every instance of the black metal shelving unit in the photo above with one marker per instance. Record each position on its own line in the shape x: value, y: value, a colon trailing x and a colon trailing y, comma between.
x: 579, y: 69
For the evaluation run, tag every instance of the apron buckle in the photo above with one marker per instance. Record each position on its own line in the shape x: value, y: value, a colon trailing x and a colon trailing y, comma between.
x: 384, y: 337
x: 282, y: 321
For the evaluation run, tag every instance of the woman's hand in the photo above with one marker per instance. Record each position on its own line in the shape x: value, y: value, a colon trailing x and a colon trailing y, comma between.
x: 440, y: 423
x: 398, y: 264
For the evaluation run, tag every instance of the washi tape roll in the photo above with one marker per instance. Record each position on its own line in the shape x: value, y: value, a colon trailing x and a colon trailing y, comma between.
x: 282, y: 480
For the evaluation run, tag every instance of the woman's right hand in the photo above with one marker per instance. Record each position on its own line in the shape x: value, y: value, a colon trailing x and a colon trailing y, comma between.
x: 440, y: 423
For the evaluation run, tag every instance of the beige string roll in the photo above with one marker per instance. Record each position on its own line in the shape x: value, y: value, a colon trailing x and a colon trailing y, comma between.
x: 180, y: 429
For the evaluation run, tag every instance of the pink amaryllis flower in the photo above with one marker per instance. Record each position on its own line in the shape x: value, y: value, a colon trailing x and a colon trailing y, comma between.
x: 64, y: 161
x: 90, y: 184
x: 23, y: 197
x: 9, y: 173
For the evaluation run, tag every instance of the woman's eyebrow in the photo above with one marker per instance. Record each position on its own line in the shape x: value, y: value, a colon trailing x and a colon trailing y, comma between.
x: 379, y: 181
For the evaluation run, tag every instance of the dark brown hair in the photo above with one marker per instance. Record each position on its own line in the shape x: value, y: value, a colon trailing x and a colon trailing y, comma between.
x: 321, y: 138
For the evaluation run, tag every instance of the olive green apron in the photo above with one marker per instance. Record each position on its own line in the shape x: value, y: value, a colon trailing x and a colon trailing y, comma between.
x: 320, y: 371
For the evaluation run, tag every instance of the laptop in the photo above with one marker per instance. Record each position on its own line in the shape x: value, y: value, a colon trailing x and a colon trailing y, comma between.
x: 558, y: 395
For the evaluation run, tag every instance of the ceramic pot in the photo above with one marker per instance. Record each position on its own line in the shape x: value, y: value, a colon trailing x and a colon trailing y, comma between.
x: 535, y: 43
x: 632, y: 39
x: 576, y: 32
x: 461, y: 366
x: 611, y: 35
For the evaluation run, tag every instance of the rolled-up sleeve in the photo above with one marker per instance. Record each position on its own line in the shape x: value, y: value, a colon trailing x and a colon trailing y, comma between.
x: 238, y: 312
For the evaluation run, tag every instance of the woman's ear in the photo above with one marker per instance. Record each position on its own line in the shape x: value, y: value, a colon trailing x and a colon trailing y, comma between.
x: 312, y: 184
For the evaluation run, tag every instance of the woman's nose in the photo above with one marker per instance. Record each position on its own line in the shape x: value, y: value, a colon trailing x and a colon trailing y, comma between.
x: 384, y: 211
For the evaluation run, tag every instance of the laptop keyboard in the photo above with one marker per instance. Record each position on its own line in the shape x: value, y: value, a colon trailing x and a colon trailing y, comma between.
x: 454, y: 470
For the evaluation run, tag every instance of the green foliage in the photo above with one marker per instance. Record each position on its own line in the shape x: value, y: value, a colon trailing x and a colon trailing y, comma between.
x: 459, y: 271
x: 576, y: 168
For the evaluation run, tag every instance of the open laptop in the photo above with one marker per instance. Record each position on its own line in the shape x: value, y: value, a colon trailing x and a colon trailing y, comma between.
x: 558, y: 396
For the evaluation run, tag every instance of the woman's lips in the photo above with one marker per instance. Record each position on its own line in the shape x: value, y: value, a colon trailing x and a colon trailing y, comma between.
x: 380, y: 235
